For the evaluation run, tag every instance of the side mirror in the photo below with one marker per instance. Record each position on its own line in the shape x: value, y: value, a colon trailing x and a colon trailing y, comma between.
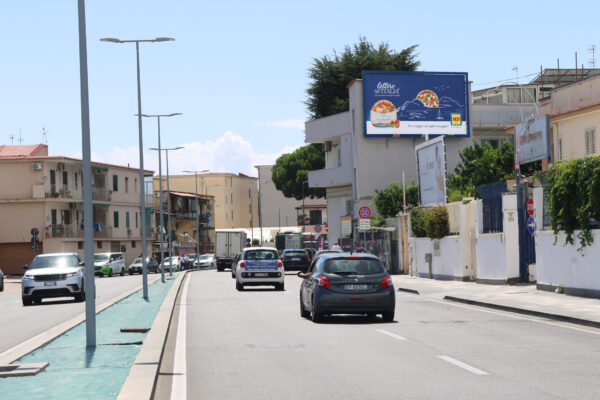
x: 82, y: 264
x: 25, y: 266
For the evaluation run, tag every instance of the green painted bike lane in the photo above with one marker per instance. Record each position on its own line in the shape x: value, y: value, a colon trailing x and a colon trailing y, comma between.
x: 76, y: 372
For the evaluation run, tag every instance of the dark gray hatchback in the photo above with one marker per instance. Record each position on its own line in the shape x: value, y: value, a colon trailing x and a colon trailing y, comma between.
x: 347, y: 284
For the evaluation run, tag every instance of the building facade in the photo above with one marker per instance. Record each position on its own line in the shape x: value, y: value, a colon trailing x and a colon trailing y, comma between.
x: 235, y: 196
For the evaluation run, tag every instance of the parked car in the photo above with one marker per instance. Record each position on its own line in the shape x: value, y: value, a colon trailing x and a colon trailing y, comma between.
x: 175, y: 261
x: 136, y: 266
x: 1, y: 281
x: 107, y: 264
x: 53, y: 275
x: 259, y: 266
x: 206, y: 261
x: 295, y: 259
x: 347, y: 284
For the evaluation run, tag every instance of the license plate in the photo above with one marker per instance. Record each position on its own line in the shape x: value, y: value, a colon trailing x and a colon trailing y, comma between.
x: 356, y: 287
x: 49, y: 283
x: 261, y: 274
x: 295, y: 259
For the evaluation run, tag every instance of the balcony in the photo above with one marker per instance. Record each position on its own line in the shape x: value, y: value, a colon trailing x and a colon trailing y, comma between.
x: 76, y: 231
x: 324, y: 129
x: 330, y: 177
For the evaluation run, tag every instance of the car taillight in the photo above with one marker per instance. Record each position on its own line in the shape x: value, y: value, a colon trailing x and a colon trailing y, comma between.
x: 279, y: 264
x: 323, y: 282
x: 386, y: 282
x: 243, y: 264
x: 304, y: 258
x: 287, y: 258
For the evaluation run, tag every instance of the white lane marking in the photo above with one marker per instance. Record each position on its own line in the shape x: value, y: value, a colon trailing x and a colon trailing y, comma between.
x: 463, y: 365
x: 179, y: 383
x: 391, y: 334
x: 509, y: 315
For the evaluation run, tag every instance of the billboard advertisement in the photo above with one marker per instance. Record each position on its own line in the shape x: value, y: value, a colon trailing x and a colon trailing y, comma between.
x: 431, y: 167
x: 532, y: 139
x: 415, y: 103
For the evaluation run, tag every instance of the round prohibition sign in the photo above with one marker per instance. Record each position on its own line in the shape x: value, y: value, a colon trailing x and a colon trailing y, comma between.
x: 364, y: 212
x: 318, y: 228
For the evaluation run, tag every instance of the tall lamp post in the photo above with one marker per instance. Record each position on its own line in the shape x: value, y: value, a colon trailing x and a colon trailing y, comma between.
x: 303, y: 216
x: 141, y: 150
x: 197, y: 211
x: 169, y: 209
x: 162, y: 239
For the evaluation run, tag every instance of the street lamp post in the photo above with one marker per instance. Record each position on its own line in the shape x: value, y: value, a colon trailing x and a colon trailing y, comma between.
x: 162, y: 240
x: 303, y: 216
x: 169, y: 209
x: 141, y: 150
x: 197, y: 211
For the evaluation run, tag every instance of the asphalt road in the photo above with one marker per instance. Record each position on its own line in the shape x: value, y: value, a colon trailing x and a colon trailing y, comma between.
x: 19, y: 324
x: 254, y: 345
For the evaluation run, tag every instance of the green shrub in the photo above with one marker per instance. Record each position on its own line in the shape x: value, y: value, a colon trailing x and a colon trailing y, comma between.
x: 417, y: 222
x: 437, y: 224
x: 573, y: 193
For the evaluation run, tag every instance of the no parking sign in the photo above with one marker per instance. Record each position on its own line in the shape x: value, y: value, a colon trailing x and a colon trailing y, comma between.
x: 318, y: 228
x: 364, y: 212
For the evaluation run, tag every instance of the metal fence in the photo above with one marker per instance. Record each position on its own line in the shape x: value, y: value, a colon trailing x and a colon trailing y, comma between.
x: 491, y: 199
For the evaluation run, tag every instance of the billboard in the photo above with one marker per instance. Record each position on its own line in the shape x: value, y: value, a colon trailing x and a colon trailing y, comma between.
x: 415, y: 103
x: 431, y: 168
x: 532, y: 139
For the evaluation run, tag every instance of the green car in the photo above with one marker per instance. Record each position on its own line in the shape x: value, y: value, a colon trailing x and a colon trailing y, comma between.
x: 107, y: 264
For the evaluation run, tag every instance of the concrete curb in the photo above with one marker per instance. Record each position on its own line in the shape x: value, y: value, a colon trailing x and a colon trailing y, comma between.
x: 556, y: 317
x: 141, y: 381
x: 413, y: 291
x: 44, y: 338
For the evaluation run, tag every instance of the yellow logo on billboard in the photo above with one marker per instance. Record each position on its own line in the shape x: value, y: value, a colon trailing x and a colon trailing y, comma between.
x: 456, y: 120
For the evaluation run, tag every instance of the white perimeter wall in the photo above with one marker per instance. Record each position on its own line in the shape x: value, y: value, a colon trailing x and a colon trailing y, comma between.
x: 491, y: 256
x: 564, y: 265
x: 447, y: 264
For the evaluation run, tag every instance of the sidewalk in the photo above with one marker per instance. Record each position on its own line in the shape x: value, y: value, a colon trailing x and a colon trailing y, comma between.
x: 519, y: 298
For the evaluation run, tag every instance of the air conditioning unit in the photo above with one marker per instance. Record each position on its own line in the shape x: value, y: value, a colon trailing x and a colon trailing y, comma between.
x: 327, y: 146
x: 36, y: 166
x: 61, y: 166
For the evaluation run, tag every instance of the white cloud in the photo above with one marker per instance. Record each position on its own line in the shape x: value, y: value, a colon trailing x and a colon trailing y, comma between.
x: 297, y: 124
x: 229, y: 153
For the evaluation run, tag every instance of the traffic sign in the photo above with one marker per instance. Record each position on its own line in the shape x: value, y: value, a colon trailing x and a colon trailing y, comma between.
x: 318, y: 228
x: 364, y: 212
x: 364, y: 224
x: 531, y: 225
x: 530, y: 207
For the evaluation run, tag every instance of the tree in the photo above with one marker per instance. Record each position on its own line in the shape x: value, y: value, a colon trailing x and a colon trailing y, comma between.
x: 327, y: 92
x: 389, y: 201
x: 480, y: 165
x: 291, y: 171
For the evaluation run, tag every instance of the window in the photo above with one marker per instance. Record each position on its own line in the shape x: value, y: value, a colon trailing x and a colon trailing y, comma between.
x: 315, y: 217
x: 126, y: 185
x: 53, y: 217
x: 99, y: 244
x: 65, y: 217
x: 560, y: 149
x: 231, y: 198
x: 65, y: 178
x: 133, y: 244
x: 339, y: 156
x: 127, y: 219
x: 75, y: 181
x: 231, y: 215
x: 136, y: 219
x: 116, y: 219
x: 249, y: 195
x: 135, y: 185
x: 590, y: 141
x: 79, y: 245
x: 115, y: 183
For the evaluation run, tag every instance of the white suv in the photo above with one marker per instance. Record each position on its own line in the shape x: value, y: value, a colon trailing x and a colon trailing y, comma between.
x: 53, y: 275
x: 259, y: 266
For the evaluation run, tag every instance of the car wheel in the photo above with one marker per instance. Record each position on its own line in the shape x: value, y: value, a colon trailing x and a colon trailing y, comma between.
x: 122, y: 271
x: 388, y: 316
x: 37, y: 301
x: 372, y: 315
x: 26, y: 301
x: 2, y: 285
x: 110, y: 272
x: 232, y: 274
x: 80, y: 297
x: 280, y: 286
x: 315, y: 315
x: 303, y: 313
x: 220, y: 269
x: 238, y: 285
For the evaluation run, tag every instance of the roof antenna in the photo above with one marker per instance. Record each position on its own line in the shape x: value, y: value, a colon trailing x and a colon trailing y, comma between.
x: 44, y: 137
x: 592, y: 62
x: 12, y: 140
x: 516, y: 69
x: 20, y: 138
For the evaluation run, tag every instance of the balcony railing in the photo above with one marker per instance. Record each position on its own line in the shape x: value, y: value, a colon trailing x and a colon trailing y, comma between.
x: 76, y: 231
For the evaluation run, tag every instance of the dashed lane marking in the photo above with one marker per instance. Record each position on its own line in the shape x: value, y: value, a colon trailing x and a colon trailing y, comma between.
x: 398, y: 337
x: 462, y: 365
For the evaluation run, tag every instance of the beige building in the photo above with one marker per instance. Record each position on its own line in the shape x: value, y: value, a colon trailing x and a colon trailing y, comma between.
x: 574, y: 111
x: 235, y: 196
x: 45, y: 192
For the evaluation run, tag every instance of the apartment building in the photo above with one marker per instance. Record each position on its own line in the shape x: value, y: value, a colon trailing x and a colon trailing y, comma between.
x: 235, y: 196
x: 184, y: 208
x: 45, y: 192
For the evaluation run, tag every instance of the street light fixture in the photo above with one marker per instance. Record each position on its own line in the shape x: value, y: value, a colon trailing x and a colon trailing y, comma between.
x: 162, y: 240
x: 168, y: 206
x: 197, y: 211
x: 141, y: 150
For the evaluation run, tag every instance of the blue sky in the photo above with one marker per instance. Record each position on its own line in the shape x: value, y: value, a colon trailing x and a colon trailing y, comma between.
x: 238, y: 70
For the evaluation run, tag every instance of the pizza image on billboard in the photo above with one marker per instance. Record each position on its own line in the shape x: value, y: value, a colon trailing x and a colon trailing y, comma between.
x: 402, y: 103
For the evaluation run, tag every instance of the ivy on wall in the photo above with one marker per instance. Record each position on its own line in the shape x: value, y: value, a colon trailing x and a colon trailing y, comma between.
x: 573, y: 196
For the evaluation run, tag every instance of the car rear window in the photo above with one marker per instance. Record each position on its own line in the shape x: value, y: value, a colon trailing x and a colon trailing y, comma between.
x: 295, y: 253
x: 261, y: 255
x: 353, y: 266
